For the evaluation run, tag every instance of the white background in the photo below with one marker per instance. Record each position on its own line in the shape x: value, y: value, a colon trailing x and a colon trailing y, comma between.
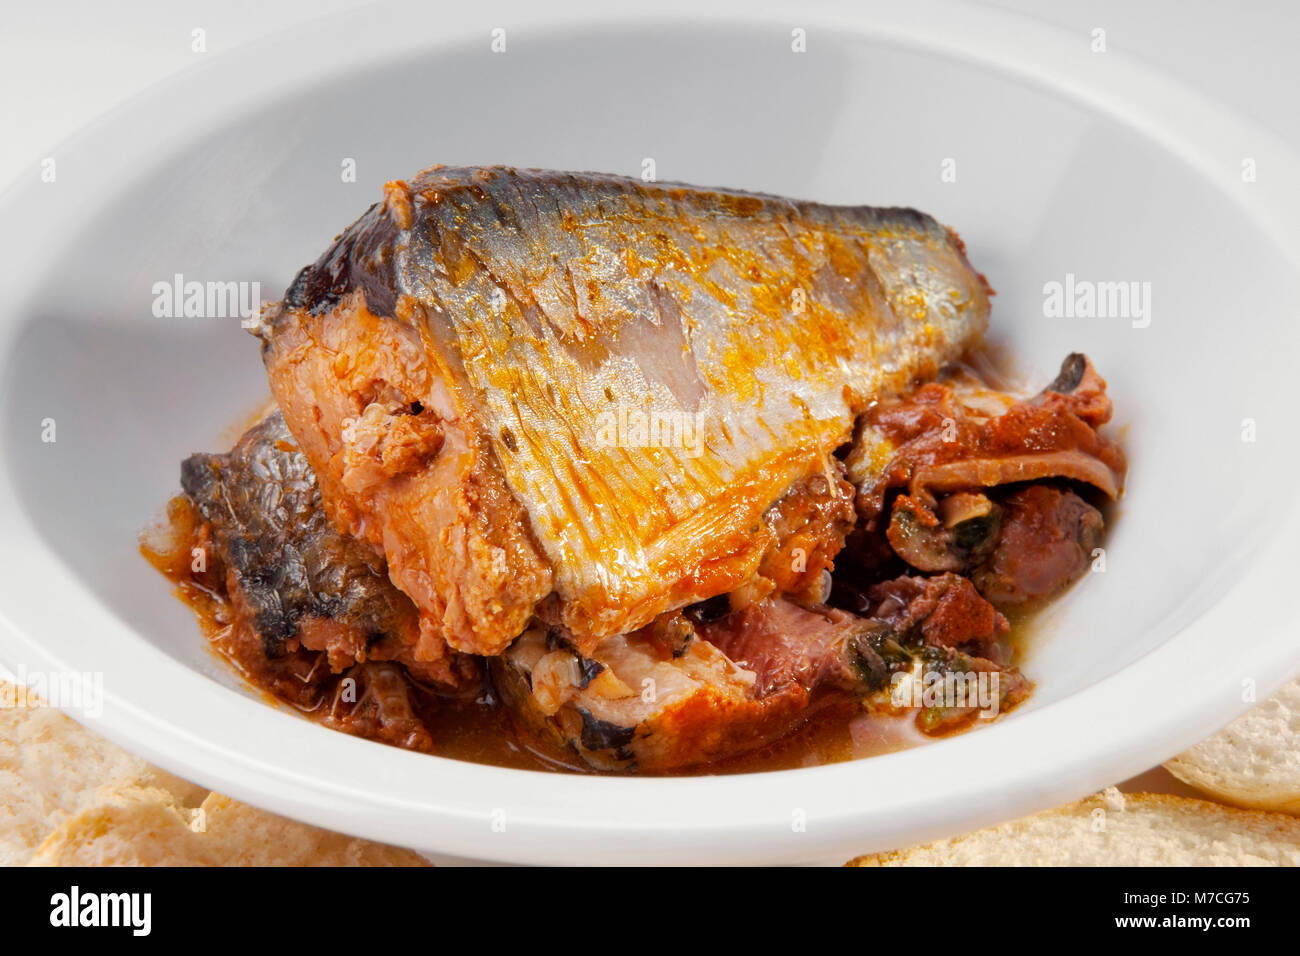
x: 65, y: 62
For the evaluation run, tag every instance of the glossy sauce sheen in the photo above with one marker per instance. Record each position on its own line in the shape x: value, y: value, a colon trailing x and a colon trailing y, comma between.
x: 480, y: 729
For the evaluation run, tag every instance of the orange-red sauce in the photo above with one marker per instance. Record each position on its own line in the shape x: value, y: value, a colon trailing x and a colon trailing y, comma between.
x: 481, y: 729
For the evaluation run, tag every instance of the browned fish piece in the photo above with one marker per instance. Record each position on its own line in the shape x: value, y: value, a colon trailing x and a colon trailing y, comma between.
x: 576, y: 396
x: 291, y: 577
x: 683, y: 693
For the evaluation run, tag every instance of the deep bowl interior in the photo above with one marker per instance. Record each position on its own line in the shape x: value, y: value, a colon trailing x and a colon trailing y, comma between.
x: 1044, y: 187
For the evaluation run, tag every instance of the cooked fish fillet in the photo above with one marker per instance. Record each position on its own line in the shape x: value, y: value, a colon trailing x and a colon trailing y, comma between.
x: 311, y: 613
x: 694, y: 688
x: 521, y: 385
x: 669, y: 697
x: 635, y: 706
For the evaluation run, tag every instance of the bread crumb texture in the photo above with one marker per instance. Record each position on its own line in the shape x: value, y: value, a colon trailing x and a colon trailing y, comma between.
x: 71, y: 798
x: 1253, y: 762
x: 1115, y: 829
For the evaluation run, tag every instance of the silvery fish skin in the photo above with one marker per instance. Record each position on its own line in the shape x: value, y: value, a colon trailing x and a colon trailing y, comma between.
x: 576, y: 395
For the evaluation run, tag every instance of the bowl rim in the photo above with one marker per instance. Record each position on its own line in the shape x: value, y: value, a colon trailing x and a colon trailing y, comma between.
x: 460, y: 809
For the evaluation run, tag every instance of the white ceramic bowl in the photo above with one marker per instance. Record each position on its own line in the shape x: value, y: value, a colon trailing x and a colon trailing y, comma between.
x: 1066, y: 162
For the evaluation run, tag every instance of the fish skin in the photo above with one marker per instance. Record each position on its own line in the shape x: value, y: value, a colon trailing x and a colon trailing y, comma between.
x: 288, y: 563
x: 527, y: 309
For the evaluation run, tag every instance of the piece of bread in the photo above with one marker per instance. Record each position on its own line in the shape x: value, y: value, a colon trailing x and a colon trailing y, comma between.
x: 51, y: 768
x: 135, y: 826
x: 1115, y: 829
x: 1254, y: 761
x: 68, y: 797
x: 252, y: 837
x: 130, y: 826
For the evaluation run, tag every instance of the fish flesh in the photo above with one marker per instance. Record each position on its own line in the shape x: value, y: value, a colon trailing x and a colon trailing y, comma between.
x: 576, y: 397
x: 309, y: 606
x: 686, y: 693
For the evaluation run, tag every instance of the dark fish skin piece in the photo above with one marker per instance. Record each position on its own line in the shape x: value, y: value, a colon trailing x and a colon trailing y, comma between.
x: 263, y: 504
